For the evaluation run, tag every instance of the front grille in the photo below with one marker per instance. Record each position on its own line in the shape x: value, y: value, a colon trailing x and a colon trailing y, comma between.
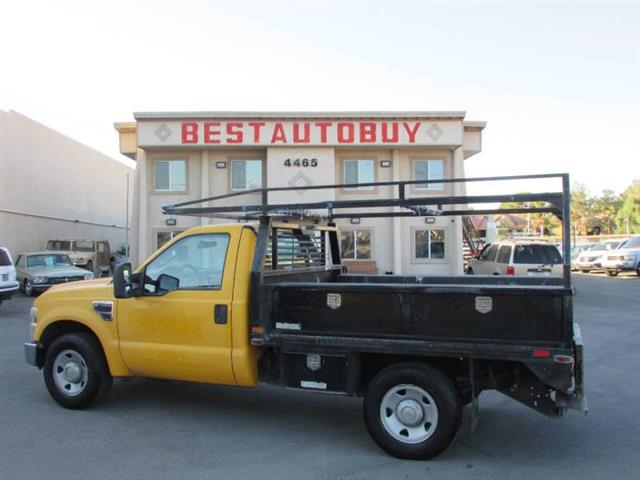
x: 5, y: 277
x: 615, y: 257
x: 56, y: 280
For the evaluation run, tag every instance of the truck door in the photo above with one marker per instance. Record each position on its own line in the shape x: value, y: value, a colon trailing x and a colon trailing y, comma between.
x: 180, y: 327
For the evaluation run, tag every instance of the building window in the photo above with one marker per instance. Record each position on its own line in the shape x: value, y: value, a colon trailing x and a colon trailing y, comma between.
x: 429, y: 244
x: 355, y: 244
x: 359, y: 171
x: 246, y: 174
x: 428, y: 170
x: 170, y: 175
x: 166, y: 236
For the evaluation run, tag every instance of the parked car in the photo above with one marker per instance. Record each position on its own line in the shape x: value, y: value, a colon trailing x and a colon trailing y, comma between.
x: 591, y: 259
x: 625, y: 258
x: 91, y: 255
x: 576, y: 250
x: 37, y: 271
x: 521, y: 258
x: 8, y: 283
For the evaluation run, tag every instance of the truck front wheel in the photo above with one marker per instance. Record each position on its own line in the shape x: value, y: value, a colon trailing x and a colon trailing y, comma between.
x: 75, y: 372
x: 412, y: 411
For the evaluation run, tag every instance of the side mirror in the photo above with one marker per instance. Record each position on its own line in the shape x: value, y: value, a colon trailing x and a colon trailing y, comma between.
x: 122, y: 281
x: 166, y: 283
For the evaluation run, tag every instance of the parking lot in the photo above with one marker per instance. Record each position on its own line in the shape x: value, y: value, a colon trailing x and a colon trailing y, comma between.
x: 156, y: 429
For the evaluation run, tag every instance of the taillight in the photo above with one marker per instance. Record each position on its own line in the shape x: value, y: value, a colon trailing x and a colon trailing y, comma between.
x: 541, y: 353
x: 511, y: 270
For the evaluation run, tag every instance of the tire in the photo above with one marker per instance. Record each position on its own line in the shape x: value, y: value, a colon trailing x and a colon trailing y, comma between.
x: 28, y: 288
x: 75, y: 371
x: 584, y: 270
x: 469, y: 271
x: 611, y: 273
x: 638, y: 270
x: 432, y: 411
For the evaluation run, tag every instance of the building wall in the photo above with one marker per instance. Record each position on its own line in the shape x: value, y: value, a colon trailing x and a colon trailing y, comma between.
x: 329, y: 171
x: 53, y: 186
x: 161, y: 137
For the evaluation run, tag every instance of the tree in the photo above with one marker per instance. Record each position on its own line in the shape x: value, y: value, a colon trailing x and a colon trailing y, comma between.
x: 581, y: 205
x: 605, y: 208
x: 628, y: 217
x: 545, y: 223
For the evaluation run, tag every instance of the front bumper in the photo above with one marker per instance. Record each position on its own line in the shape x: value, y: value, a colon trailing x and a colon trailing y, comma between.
x: 33, y: 354
x: 619, y: 265
x: 7, y: 292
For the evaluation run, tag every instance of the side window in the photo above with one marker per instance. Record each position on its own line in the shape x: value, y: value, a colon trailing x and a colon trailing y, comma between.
x: 489, y: 253
x: 193, y: 263
x: 504, y: 254
x: 101, y: 248
x: 20, y: 261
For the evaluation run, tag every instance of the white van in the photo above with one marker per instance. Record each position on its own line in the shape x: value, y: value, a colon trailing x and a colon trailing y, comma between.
x: 520, y: 258
x: 8, y: 282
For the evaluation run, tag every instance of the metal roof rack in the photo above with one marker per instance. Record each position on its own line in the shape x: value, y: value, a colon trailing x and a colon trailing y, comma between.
x: 413, y: 206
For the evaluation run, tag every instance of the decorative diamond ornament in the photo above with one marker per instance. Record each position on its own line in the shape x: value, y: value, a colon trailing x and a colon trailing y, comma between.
x: 300, y: 180
x: 163, y: 132
x: 435, y: 132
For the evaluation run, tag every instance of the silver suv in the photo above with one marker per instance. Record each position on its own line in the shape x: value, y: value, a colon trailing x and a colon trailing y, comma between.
x: 521, y: 258
x: 625, y: 258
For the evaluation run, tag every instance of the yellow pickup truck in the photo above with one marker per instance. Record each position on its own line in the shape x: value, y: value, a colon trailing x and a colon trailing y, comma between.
x: 269, y: 301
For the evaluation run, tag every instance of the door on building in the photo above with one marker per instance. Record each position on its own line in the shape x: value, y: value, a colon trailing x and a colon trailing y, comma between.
x: 180, y: 327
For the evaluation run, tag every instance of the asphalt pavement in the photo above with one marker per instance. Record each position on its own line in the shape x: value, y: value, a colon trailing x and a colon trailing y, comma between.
x: 150, y: 429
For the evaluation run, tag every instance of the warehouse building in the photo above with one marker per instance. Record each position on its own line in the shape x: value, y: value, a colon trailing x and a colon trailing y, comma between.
x: 53, y: 187
x: 190, y: 155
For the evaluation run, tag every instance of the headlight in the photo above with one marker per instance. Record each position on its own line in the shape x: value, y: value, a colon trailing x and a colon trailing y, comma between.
x: 88, y: 276
x: 40, y: 280
x: 80, y: 260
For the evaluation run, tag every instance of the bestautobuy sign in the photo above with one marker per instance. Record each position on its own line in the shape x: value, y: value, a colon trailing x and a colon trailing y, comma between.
x: 298, y: 133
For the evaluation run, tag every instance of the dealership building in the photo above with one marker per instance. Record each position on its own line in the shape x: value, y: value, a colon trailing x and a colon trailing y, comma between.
x: 190, y: 155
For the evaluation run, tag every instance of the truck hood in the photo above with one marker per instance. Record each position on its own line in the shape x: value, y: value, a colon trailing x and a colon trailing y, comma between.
x: 83, y: 286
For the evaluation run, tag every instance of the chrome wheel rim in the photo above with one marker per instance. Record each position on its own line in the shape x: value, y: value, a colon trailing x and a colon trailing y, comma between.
x: 70, y: 373
x: 28, y: 288
x: 409, y: 414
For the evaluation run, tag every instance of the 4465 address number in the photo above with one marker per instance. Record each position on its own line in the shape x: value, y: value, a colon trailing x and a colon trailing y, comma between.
x: 301, y: 162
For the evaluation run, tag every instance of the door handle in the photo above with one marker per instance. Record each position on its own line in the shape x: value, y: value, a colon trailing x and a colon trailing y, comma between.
x: 220, y: 314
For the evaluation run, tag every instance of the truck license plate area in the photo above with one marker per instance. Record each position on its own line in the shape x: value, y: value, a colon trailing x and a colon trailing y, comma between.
x: 315, y: 371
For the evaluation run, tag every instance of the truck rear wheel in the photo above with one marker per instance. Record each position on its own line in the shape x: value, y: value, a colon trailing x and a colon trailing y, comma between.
x: 75, y: 371
x: 412, y: 411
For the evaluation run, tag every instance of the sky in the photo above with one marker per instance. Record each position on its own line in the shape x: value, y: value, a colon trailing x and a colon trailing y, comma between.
x: 557, y: 82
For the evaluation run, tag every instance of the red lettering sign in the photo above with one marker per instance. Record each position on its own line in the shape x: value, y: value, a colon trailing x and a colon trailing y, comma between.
x: 278, y: 134
x: 211, y: 134
x: 257, y: 126
x: 297, y: 138
x: 367, y: 132
x: 393, y: 138
x: 323, y: 126
x: 345, y: 132
x: 411, y: 131
x: 234, y: 132
x: 189, y: 132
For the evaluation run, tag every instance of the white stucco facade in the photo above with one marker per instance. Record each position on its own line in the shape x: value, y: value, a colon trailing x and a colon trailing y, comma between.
x: 52, y: 186
x: 190, y: 155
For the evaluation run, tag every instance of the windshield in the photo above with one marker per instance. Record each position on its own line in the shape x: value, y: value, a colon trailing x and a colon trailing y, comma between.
x: 83, y: 246
x: 58, y: 245
x: 4, y: 258
x: 44, y: 260
x: 633, y: 243
x: 546, y: 254
x: 599, y: 246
